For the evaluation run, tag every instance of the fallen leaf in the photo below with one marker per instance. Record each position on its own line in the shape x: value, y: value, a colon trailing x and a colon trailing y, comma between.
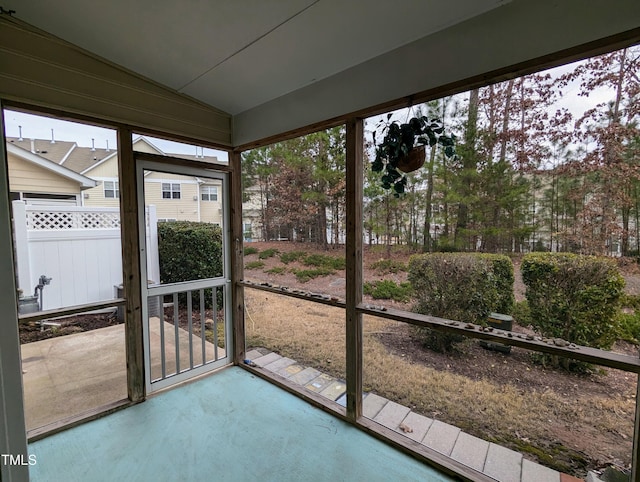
x: 405, y: 428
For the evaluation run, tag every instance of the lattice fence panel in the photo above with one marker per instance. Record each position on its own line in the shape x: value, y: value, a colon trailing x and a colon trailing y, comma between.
x: 100, y: 220
x: 42, y: 220
x: 60, y: 220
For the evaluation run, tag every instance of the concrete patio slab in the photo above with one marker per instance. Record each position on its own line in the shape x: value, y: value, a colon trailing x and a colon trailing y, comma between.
x: 319, y: 383
x: 503, y: 464
x: 471, y: 451
x: 419, y: 424
x: 304, y: 376
x: 334, y: 390
x: 372, y: 404
x: 532, y: 472
x: 441, y: 437
x: 279, y: 364
x: 228, y: 433
x: 68, y: 375
x: 391, y: 415
x: 266, y: 359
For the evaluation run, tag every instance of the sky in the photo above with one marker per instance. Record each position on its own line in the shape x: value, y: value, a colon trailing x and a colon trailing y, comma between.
x: 574, y: 103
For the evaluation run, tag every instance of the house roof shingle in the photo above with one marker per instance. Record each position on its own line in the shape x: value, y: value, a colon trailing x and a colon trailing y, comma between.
x: 80, y: 159
x: 44, y: 148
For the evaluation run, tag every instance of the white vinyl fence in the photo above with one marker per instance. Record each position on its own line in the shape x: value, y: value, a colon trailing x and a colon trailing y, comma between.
x: 78, y: 248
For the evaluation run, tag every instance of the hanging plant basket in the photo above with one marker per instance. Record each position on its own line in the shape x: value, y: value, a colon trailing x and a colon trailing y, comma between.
x: 412, y: 161
x: 403, y: 149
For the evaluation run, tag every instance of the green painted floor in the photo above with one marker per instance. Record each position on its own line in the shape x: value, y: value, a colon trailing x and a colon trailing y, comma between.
x: 231, y: 426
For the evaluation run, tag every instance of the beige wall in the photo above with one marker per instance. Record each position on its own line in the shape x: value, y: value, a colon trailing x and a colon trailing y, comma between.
x: 94, y: 197
x: 27, y: 177
x: 211, y: 211
x: 183, y: 209
x: 108, y: 168
x: 142, y: 146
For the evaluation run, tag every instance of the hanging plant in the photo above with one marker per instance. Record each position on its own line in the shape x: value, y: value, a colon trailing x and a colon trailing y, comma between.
x: 403, y: 149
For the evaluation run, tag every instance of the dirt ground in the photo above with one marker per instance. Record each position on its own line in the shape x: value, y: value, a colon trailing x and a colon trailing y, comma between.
x: 30, y: 332
x: 334, y: 284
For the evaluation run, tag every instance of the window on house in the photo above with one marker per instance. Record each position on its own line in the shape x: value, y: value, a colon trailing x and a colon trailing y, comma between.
x: 111, y: 189
x: 170, y: 190
x: 246, y: 229
x: 209, y: 193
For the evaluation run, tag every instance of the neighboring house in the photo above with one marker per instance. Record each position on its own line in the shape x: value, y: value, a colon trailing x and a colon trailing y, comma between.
x: 64, y: 173
x: 37, y: 177
x: 182, y: 198
x: 252, y: 214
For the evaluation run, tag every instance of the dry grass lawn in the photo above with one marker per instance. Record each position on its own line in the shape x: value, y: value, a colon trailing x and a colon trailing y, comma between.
x: 532, y: 421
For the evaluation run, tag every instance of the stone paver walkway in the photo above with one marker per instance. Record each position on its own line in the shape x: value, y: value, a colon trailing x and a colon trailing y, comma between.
x: 498, y: 462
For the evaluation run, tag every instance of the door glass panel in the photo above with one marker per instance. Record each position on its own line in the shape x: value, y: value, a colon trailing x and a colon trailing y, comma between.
x: 187, y: 313
x: 184, y: 216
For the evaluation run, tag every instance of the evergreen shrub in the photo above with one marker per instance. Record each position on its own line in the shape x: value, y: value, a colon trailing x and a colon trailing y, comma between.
x: 292, y: 256
x: 268, y: 253
x: 324, y: 261
x: 388, y: 290
x: 386, y: 266
x: 460, y: 286
x: 574, y: 297
x: 190, y: 251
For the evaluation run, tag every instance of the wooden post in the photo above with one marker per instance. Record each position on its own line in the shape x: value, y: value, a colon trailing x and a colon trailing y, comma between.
x: 355, y: 146
x: 635, y: 454
x: 13, y: 436
x: 131, y: 254
x: 237, y: 262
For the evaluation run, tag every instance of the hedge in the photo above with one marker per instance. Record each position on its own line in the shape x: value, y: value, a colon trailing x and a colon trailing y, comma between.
x: 190, y: 251
x: 460, y: 286
x: 573, y: 297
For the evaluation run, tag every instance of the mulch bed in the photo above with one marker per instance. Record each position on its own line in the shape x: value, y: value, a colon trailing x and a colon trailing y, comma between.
x: 33, y: 331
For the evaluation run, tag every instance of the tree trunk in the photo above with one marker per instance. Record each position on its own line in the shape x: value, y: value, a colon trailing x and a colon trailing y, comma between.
x: 426, y: 236
x: 469, y: 163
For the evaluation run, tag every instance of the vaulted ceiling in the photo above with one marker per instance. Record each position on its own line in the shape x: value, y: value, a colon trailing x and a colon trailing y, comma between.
x: 281, y: 64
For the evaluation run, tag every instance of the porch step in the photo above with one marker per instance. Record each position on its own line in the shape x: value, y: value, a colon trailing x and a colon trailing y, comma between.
x: 278, y: 365
x: 392, y: 415
x: 305, y: 376
x: 503, y: 464
x: 372, y: 404
x: 441, y: 437
x: 335, y: 390
x: 319, y: 383
x: 266, y: 359
x: 471, y: 451
x: 500, y: 463
x: 415, y: 426
x: 532, y: 472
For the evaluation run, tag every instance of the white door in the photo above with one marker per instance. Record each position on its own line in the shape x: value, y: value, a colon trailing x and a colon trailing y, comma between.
x: 187, y: 316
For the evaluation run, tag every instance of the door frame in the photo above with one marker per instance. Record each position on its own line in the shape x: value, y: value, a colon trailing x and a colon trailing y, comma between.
x: 177, y: 166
